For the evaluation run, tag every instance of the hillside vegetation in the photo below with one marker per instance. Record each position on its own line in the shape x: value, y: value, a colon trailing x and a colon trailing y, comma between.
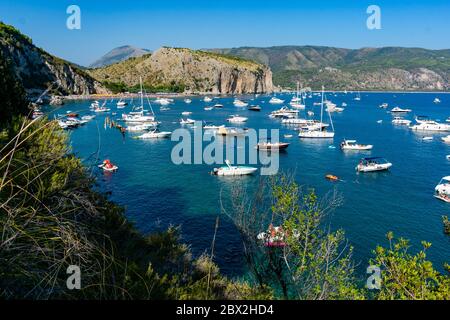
x: 389, y: 68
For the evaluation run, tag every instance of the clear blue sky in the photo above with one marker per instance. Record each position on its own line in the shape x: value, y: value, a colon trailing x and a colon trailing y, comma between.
x: 218, y: 23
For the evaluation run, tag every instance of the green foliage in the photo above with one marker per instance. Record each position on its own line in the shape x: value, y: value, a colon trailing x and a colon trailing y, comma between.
x: 12, y: 95
x: 446, y: 223
x: 409, y: 276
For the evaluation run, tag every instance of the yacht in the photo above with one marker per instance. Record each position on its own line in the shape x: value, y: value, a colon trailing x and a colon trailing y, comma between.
x: 155, y: 134
x: 430, y: 125
x: 401, y: 121
x: 254, y: 108
x: 230, y: 170
x: 284, y: 112
x: 237, y: 119
x: 442, y: 190
x: 295, y: 121
x: 373, y: 164
x: 139, y: 116
x: 400, y: 110
x: 384, y: 105
x: 318, y: 131
x: 163, y: 101
x: 186, y: 113
x: 352, y: 145
x: 187, y: 101
x: 239, y: 103
x: 272, y: 145
x: 141, y: 127
x: 208, y: 108
x: 275, y: 100
x: 207, y: 99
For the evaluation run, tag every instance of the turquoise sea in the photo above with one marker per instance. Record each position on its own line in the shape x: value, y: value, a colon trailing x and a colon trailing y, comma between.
x: 157, y: 193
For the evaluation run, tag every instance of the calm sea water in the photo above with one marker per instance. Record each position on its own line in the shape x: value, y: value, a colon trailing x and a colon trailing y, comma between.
x: 157, y: 193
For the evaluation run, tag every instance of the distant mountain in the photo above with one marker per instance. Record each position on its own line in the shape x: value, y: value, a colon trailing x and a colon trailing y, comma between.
x: 182, y: 69
x: 37, y: 69
x: 119, y: 54
x: 388, y: 68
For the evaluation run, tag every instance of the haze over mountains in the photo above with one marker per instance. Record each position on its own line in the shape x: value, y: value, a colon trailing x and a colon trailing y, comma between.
x: 118, y: 54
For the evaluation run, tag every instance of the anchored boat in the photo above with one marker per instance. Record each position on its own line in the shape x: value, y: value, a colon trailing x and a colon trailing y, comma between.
x: 442, y: 190
x: 352, y: 145
x: 230, y: 170
x: 373, y: 164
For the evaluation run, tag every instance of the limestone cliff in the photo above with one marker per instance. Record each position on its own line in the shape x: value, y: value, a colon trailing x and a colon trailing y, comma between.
x: 38, y: 69
x: 194, y: 70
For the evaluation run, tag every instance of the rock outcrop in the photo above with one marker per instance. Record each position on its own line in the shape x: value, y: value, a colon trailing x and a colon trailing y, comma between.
x: 38, y: 70
x: 194, y: 70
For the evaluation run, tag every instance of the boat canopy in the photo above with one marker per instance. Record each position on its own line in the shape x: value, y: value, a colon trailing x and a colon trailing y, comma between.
x: 350, y: 141
x: 446, y: 178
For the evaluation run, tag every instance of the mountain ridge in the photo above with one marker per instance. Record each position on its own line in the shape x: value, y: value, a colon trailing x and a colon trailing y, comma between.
x: 119, y: 54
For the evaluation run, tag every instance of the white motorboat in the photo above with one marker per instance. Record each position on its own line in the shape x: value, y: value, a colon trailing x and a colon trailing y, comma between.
x: 401, y: 121
x: 237, y: 119
x: 88, y: 117
x: 344, y: 104
x: 230, y: 170
x: 155, y: 135
x: 358, y: 97
x: 310, y: 113
x: 142, y: 127
x: 446, y: 139
x: 436, y: 100
x: 352, y: 145
x: 163, y: 101
x: 275, y: 100
x: 431, y: 125
x: 239, y: 103
x: 384, y: 105
x: 373, y: 164
x: 186, y: 113
x: 284, y: 112
x: 318, y: 130
x: 218, y: 105
x: 429, y: 138
x: 187, y: 101
x: 271, y: 146
x: 212, y: 127
x: 400, y: 110
x: 101, y: 109
x: 442, y: 190
x: 208, y: 108
x: 207, y: 99
x: 121, y: 104
x: 295, y: 121
x: 187, y: 121
x: 95, y: 104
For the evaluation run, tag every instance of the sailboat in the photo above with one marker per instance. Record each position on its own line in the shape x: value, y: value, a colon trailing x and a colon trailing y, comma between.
x: 318, y: 131
x: 358, y: 97
x: 121, y: 104
x: 139, y: 116
x: 296, y: 101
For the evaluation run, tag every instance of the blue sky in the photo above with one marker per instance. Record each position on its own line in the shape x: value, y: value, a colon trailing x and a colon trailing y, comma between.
x: 218, y: 23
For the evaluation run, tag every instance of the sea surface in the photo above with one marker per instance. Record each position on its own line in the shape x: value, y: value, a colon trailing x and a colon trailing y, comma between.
x: 157, y: 193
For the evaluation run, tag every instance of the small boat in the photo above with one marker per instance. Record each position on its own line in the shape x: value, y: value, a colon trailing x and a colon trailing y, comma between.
x: 384, y: 105
x: 401, y: 121
x: 436, y: 100
x: 108, y: 166
x: 272, y: 145
x: 163, y: 101
x: 164, y: 108
x: 121, y: 104
x: 373, y: 164
x: 310, y: 113
x: 380, y: 121
x: 332, y: 177
x: 295, y: 121
x: 233, y: 132
x: 427, y: 138
x: 88, y: 117
x: 141, y: 127
x: 95, y: 104
x: 447, y: 157
x: 101, y: 109
x: 446, y: 139
x: 230, y: 170
x: 442, y: 190
x: 237, y: 119
x: 358, y: 97
x: 352, y: 145
x: 274, y: 237
x: 207, y: 99
x: 239, y: 103
x: 254, y: 108
x: 400, y: 110
x: 218, y: 105
x: 212, y: 127
x: 187, y: 101
x: 275, y: 100
x: 187, y: 121
x: 186, y: 113
x: 155, y: 135
x: 208, y: 108
x: 288, y: 136
x: 343, y: 104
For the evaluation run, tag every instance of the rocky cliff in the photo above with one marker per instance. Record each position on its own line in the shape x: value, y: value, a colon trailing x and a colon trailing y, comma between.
x: 38, y: 69
x: 388, y: 68
x: 193, y: 70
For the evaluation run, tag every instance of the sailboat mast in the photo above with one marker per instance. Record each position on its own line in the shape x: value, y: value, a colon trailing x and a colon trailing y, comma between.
x: 142, y: 93
x: 321, y: 108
